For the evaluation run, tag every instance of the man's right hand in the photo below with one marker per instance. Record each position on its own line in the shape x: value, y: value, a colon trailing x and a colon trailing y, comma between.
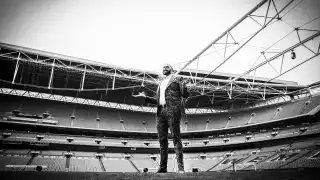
x: 140, y: 95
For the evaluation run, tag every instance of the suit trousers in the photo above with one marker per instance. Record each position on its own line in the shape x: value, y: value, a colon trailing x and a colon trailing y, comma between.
x: 169, y: 117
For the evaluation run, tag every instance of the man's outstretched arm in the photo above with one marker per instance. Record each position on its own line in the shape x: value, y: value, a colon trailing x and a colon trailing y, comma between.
x: 151, y: 100
x: 147, y: 99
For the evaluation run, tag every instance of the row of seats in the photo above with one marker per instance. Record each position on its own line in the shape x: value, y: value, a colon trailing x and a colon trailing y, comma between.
x: 114, y: 119
x: 153, y: 143
x: 296, y: 155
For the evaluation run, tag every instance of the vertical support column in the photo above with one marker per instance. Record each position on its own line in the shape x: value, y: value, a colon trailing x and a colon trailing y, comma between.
x: 144, y: 76
x: 230, y: 91
x: 51, y: 75
x: 114, y: 79
x: 254, y: 78
x: 83, y: 77
x: 264, y: 93
x: 16, y: 69
x: 195, y: 79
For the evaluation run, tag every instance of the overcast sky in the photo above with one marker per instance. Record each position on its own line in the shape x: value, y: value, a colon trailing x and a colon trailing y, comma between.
x: 145, y: 34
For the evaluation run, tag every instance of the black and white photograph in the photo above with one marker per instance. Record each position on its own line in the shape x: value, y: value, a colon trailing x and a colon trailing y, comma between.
x: 160, y: 89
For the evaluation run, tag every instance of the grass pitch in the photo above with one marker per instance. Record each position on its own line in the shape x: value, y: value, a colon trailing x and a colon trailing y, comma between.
x: 309, y: 174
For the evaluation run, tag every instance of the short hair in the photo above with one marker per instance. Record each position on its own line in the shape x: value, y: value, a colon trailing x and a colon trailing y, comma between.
x: 169, y: 65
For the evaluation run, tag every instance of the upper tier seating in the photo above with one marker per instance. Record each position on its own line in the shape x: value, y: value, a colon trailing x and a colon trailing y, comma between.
x: 114, y: 119
x: 287, y: 132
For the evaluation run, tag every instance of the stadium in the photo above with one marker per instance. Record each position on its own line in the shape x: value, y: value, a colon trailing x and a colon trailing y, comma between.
x: 67, y: 117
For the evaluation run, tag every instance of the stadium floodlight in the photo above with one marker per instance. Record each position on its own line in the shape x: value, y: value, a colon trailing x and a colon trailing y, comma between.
x: 98, y: 141
x: 203, y: 156
x: 146, y: 143
x: 293, y: 54
x: 226, y: 140
x: 68, y: 154
x: 70, y: 139
x: 206, y: 141
x: 98, y: 155
x: 254, y: 152
x: 153, y: 157
x: 274, y: 133
x: 124, y: 142
x: 127, y: 156
x: 303, y: 129
x: 248, y: 137
x: 39, y: 137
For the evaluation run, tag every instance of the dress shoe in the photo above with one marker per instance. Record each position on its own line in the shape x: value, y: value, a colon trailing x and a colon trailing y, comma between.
x: 162, y: 170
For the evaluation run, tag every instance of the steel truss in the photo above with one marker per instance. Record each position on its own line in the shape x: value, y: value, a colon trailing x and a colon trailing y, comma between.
x: 303, y: 93
x: 232, y: 89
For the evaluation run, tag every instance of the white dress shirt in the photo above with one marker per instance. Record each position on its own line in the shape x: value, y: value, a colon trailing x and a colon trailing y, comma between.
x: 163, y: 86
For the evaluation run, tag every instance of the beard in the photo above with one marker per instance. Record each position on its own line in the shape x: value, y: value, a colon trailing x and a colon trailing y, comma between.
x: 166, y: 72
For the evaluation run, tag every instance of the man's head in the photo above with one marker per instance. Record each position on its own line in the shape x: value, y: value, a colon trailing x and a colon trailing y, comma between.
x: 167, y: 69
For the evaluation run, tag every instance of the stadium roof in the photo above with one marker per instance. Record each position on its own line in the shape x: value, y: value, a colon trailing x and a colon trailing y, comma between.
x: 59, y: 74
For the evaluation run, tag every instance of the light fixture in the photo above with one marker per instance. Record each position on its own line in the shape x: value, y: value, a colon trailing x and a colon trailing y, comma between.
x: 293, y: 54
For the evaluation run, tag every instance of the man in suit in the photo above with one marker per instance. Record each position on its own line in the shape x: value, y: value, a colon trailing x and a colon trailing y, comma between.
x: 170, y: 107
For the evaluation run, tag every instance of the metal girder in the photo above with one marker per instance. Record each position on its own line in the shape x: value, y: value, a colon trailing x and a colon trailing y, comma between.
x: 97, y: 103
x: 209, y: 86
x: 259, y: 86
x: 314, y: 90
x: 228, y: 31
x: 223, y: 34
x: 142, y: 77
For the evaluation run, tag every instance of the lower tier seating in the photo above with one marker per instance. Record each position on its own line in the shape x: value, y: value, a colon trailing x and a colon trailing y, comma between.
x: 299, y: 154
x: 76, y: 115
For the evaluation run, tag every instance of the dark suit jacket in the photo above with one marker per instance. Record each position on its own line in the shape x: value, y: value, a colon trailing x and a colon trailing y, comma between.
x: 174, y: 93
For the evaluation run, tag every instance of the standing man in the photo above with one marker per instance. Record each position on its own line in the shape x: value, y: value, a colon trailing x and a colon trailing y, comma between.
x: 170, y: 106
